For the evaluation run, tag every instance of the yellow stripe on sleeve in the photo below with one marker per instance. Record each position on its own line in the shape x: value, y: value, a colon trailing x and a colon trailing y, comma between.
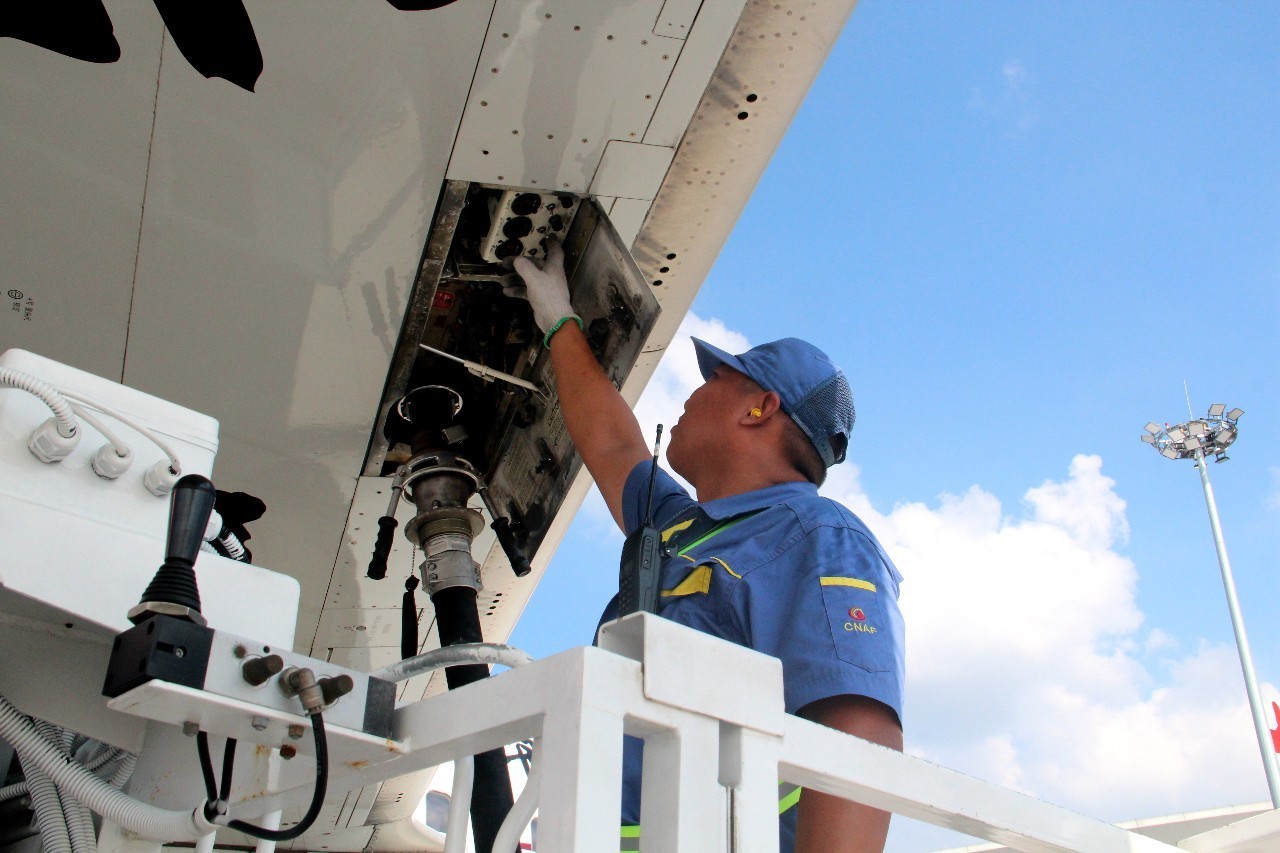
x: 858, y: 583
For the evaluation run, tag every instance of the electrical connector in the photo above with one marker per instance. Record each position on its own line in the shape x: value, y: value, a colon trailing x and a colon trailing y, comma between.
x: 109, y: 463
x: 301, y: 682
x: 48, y: 443
x: 160, y: 478
x: 335, y: 687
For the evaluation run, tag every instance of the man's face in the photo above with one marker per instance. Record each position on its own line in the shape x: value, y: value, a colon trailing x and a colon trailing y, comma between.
x: 710, y: 413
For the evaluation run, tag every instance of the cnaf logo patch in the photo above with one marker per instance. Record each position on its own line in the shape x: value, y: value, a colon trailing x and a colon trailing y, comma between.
x: 859, y: 623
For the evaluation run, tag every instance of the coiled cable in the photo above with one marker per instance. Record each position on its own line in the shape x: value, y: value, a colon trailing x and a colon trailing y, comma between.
x: 55, y: 400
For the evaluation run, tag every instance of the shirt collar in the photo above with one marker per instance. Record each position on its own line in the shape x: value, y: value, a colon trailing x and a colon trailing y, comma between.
x: 722, y: 508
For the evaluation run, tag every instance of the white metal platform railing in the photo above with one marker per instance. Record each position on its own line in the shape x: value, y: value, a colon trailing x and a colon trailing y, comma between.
x: 712, y: 716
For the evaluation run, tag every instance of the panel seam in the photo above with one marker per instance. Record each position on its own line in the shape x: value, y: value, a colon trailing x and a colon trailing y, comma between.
x: 142, y: 213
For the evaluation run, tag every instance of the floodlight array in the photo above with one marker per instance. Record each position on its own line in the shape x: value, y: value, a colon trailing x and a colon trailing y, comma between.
x: 1196, y: 439
x: 1210, y: 436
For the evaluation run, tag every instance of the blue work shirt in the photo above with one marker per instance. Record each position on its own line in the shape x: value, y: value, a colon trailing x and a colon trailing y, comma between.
x: 785, y: 572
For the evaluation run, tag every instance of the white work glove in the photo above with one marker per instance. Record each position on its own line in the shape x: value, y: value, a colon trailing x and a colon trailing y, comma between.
x: 546, y: 289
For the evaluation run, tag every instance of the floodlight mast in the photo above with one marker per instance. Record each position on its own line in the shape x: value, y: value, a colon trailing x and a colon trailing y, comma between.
x: 1194, y: 440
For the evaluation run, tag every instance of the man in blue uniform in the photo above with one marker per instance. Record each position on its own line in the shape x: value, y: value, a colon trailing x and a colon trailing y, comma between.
x: 758, y: 558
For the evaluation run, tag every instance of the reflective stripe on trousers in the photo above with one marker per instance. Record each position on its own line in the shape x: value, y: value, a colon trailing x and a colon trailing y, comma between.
x: 788, y: 797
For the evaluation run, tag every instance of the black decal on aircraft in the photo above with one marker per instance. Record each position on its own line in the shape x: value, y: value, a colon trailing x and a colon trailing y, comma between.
x: 216, y: 37
x: 80, y: 29
x: 418, y: 5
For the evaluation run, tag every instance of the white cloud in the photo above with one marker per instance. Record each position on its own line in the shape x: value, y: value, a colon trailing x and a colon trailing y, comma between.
x: 1085, y: 505
x: 1010, y: 99
x: 1028, y: 664
x: 1158, y: 640
x: 1014, y: 72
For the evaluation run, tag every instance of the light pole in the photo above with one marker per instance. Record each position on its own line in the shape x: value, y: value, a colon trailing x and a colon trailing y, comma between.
x: 1211, y: 436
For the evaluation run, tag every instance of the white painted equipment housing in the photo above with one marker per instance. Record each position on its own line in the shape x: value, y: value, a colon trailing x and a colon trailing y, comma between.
x: 79, y: 550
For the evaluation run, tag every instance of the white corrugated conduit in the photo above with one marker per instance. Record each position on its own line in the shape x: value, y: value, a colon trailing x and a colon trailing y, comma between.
x: 56, y: 438
x: 54, y: 835
x: 99, y: 796
x: 53, y: 399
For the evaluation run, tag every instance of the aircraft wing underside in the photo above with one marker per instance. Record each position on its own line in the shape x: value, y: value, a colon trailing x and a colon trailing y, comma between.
x: 272, y: 243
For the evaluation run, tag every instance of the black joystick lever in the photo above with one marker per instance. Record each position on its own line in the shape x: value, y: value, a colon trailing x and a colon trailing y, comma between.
x: 170, y: 640
x: 173, y: 591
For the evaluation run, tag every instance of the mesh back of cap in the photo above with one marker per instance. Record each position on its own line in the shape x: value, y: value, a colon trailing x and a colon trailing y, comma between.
x: 826, y: 415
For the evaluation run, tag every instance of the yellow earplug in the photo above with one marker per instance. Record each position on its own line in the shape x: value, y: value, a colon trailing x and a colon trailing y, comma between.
x: 755, y: 413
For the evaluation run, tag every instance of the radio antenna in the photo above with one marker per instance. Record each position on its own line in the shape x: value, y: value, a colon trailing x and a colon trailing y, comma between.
x: 653, y: 475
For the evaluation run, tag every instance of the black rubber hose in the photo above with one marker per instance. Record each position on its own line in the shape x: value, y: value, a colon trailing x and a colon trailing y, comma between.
x: 317, y: 797
x: 458, y: 620
x: 228, y: 765
x: 206, y: 769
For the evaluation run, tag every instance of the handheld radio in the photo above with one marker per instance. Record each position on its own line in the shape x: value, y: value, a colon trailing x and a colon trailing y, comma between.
x: 638, y: 571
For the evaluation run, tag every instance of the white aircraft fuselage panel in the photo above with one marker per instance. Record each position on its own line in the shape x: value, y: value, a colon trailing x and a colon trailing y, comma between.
x: 281, y: 239
x: 554, y: 84
x: 75, y: 139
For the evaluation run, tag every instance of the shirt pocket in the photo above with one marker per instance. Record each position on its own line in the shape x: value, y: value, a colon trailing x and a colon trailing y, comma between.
x: 859, y: 622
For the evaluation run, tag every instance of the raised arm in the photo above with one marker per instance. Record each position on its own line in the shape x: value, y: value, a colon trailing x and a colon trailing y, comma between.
x: 601, y: 424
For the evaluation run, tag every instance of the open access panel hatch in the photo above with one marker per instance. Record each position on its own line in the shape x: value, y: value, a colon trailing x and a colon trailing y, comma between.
x: 464, y: 332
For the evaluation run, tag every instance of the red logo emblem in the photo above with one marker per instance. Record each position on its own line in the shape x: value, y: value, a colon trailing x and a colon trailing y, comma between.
x: 857, y: 613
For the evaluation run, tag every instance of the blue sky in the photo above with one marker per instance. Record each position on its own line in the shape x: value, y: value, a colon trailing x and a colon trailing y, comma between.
x: 1020, y: 227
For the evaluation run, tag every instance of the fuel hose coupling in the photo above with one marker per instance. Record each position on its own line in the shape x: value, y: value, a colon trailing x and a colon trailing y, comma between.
x: 446, y: 547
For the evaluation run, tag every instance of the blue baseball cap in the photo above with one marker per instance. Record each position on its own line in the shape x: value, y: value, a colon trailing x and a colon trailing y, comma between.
x: 813, y: 391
